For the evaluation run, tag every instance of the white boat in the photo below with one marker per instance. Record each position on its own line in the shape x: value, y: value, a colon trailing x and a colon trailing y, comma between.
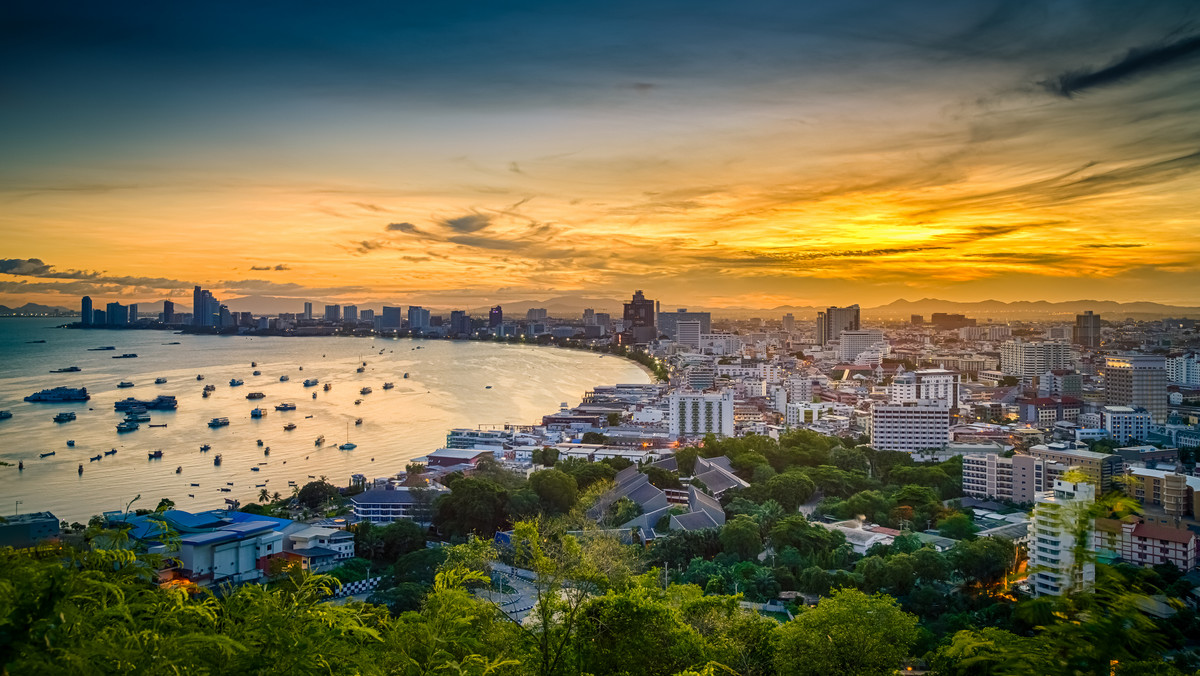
x: 218, y: 422
x: 347, y: 446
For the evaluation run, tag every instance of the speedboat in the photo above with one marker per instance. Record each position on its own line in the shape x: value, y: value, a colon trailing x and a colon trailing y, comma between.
x: 347, y: 446
x: 290, y: 426
x: 112, y: 452
x: 285, y: 406
x: 284, y: 379
x: 127, y: 426
x: 234, y: 382
x: 258, y: 412
x: 218, y: 422
x: 70, y: 443
x: 124, y: 383
x: 358, y: 421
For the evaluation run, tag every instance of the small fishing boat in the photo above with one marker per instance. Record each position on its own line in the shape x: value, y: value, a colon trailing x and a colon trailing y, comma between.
x: 360, y: 369
x: 217, y: 461
x: 112, y: 452
x: 155, y: 455
x: 257, y: 373
x: 195, y: 484
x: 307, y: 417
x: 254, y: 469
x: 314, y: 395
x: 124, y: 384
x: 258, y: 412
x: 70, y: 443
x: 388, y: 386
x: 159, y: 381
x: 259, y: 442
x: 357, y: 402
x: 161, y: 425
x: 206, y: 394
x: 253, y: 364
x: 358, y: 421
x: 205, y: 447
x: 81, y: 468
x: 328, y: 386
x: 284, y: 379
x: 267, y: 450
x: 199, y: 377
x: 234, y: 382
x: 127, y: 355
x: 94, y: 458
x: 310, y: 382
x: 127, y: 426
x: 255, y: 395
x: 289, y: 427
x: 65, y: 416
x: 285, y: 406
x: 406, y: 374
x: 218, y: 422
x: 47, y: 455
x: 210, y: 388
x: 179, y: 469
x: 320, y: 440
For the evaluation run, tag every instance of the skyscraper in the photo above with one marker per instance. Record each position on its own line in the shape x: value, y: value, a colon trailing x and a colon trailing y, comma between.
x: 789, y: 323
x: 536, y: 314
x: 668, y: 321
x: 1138, y: 380
x: 1087, y: 330
x: 834, y: 320
x: 393, y: 319
x: 495, y: 317
x: 589, y: 316
x: 85, y: 311
x: 639, y: 318
x: 418, y: 318
x: 133, y: 313
x: 206, y: 309
x: 350, y: 314
x: 168, y: 312
x: 308, y: 310
x: 333, y: 313
x: 117, y: 314
x: 460, y: 323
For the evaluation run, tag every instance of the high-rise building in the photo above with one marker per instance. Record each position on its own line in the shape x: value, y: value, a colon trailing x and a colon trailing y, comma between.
x: 308, y: 310
x: 1053, y: 568
x: 589, y: 316
x: 536, y: 314
x: 1087, y: 330
x: 693, y: 414
x: 333, y: 313
x: 168, y: 312
x: 910, y: 427
x: 834, y: 320
x: 85, y: 311
x: 460, y: 322
x: 418, y: 318
x: 1137, y: 380
x: 948, y: 322
x: 916, y: 320
x: 1030, y: 360
x: 350, y: 314
x: 366, y: 316
x: 133, y: 313
x: 1019, y: 479
x: 667, y: 321
x: 688, y: 333
x: 1184, y: 369
x: 495, y: 317
x: 1125, y: 424
x: 639, y: 318
x: 1100, y: 468
x: 117, y: 314
x: 852, y: 343
x: 938, y: 385
x: 206, y: 309
x: 603, y: 319
x: 99, y: 318
x: 393, y: 318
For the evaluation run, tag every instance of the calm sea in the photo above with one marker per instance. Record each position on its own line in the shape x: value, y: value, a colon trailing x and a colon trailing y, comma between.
x: 446, y: 388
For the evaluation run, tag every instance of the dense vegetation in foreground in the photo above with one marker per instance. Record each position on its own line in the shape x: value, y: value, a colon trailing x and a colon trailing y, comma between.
x: 98, y: 611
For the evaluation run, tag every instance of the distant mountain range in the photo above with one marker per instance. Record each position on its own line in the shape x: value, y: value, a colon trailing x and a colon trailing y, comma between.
x: 35, y: 309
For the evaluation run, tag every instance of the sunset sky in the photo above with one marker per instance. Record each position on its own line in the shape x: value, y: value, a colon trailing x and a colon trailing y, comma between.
x: 713, y: 153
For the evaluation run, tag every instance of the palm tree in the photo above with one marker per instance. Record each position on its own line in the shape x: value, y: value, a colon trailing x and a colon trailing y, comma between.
x: 263, y: 495
x: 277, y: 497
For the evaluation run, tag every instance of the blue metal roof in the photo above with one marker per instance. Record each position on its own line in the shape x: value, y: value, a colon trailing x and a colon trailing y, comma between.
x: 243, y: 517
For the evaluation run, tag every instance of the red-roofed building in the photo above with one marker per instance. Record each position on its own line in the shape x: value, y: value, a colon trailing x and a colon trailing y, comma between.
x: 1144, y: 544
x: 1045, y: 411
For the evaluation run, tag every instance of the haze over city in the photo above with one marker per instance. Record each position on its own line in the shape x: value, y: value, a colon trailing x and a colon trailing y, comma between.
x: 741, y: 156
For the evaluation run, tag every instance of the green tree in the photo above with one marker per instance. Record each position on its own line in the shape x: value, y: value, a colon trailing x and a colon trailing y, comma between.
x: 472, y: 506
x: 740, y: 537
x: 636, y: 632
x: 164, y: 505
x: 790, y: 489
x: 556, y: 489
x: 662, y: 478
x: 315, y: 494
x: 594, y: 438
x: 957, y: 526
x: 847, y: 633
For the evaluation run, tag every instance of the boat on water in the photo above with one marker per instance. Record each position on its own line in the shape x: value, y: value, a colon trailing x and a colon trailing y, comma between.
x: 406, y: 374
x: 65, y: 416
x: 320, y: 440
x: 314, y: 395
x: 218, y: 422
x: 47, y: 455
x: 225, y: 490
x: 205, y: 447
x: 258, y: 412
x: 234, y: 382
x: 210, y: 388
x: 112, y: 452
x: 174, y: 343
x: 253, y: 364
x: 104, y: 348
x: 68, y: 369
x: 162, y: 425
x: 307, y: 417
x: 94, y: 458
x: 255, y: 395
x: 70, y: 443
x: 256, y: 373
x: 358, y: 421
x: 206, y: 394
x: 58, y: 394
x: 284, y: 379
x: 217, y: 461
x: 360, y: 369
x: 163, y: 402
x: 388, y: 386
x: 267, y: 450
x: 127, y: 355
x: 124, y: 384
x: 357, y: 402
x: 195, y: 485
x: 328, y: 386
x: 155, y: 455
x: 135, y: 416
x: 254, y: 469
x: 159, y: 381
x: 348, y: 446
x: 310, y: 382
x: 487, y: 387
x: 259, y: 442
x: 5, y: 415
x: 127, y: 426
x: 179, y: 469
x: 289, y: 427
x: 199, y: 377
x: 81, y: 469
x: 285, y: 406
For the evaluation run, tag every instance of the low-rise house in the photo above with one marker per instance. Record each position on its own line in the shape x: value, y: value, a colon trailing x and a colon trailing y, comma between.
x: 1135, y: 541
x: 21, y: 531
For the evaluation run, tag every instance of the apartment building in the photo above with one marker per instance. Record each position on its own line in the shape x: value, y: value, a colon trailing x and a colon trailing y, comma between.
x: 910, y: 427
x: 1052, y: 565
x: 1018, y: 479
x: 1100, y: 468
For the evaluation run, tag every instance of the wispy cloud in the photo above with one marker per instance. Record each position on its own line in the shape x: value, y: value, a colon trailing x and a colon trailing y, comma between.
x: 1138, y: 62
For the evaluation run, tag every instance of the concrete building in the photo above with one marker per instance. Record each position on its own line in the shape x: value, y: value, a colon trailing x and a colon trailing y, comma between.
x: 1018, y: 479
x: 85, y: 311
x: 308, y: 310
x: 688, y: 332
x: 852, y: 343
x: 392, y: 319
x: 1172, y: 495
x: 834, y: 320
x: 1087, y: 330
x: 1045, y: 411
x: 668, y: 322
x: 1139, y: 381
x: 789, y: 323
x: 1125, y: 423
x: 1100, y: 468
x: 350, y: 314
x: 333, y: 313
x: 929, y: 385
x: 640, y: 317
x: 393, y: 503
x: 1052, y: 565
x: 1138, y: 542
x: 22, y: 531
x: 1184, y: 369
x: 1060, y: 383
x: 1028, y: 360
x: 695, y: 414
x: 910, y: 427
x: 418, y: 318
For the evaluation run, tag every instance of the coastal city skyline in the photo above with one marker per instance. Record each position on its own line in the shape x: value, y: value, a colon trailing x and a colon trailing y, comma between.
x: 527, y: 153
